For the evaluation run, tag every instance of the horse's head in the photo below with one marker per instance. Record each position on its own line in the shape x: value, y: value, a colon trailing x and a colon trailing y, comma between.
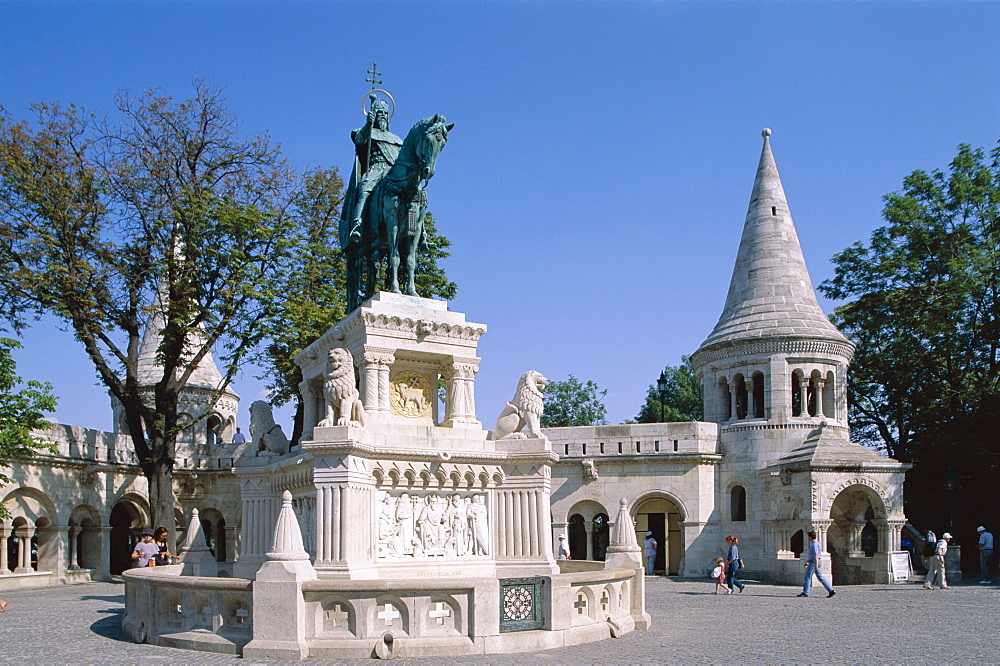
x: 431, y: 134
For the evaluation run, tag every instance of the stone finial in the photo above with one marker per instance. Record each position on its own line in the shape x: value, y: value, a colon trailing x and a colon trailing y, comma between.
x: 623, y: 532
x: 766, y: 132
x: 195, y: 554
x: 287, y: 542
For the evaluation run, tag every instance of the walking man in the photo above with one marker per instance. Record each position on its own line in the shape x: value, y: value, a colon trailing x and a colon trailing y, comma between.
x: 649, y: 552
x: 812, y: 567
x: 936, y: 571
x: 985, y: 546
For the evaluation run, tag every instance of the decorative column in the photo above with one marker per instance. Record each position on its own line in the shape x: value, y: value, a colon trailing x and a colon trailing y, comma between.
x: 23, y: 535
x: 894, y: 534
x: 373, y: 368
x: 310, y: 413
x: 822, y: 527
x: 461, y: 403
x: 804, y: 395
x: 733, y: 405
x: 820, y: 384
x: 4, y: 535
x: 854, y: 529
x: 73, y: 530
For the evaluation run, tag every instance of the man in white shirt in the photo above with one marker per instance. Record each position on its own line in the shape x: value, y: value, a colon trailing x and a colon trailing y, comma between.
x: 985, y: 546
x: 649, y: 552
x: 562, y: 549
x: 937, y: 572
x: 239, y: 437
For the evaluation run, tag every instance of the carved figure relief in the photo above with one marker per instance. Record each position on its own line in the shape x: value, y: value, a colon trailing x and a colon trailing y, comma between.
x: 343, y: 404
x: 410, y: 394
x: 267, y: 437
x: 524, y: 411
x: 589, y: 470
x: 434, y: 526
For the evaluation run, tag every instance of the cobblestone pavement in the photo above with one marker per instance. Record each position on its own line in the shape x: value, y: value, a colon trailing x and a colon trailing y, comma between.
x: 766, y: 624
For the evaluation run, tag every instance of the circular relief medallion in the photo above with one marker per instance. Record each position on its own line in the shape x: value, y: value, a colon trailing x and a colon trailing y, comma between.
x: 410, y: 394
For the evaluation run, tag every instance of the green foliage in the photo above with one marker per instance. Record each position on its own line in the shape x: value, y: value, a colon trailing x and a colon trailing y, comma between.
x: 166, y: 207
x: 681, y: 401
x: 924, y: 309
x: 311, y: 298
x: 573, y: 403
x: 21, y: 411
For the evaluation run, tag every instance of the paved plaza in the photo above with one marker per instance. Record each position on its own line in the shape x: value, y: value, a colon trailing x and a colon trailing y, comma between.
x: 80, y: 624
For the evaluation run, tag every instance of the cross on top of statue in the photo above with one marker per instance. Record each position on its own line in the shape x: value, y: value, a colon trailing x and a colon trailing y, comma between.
x: 374, y: 80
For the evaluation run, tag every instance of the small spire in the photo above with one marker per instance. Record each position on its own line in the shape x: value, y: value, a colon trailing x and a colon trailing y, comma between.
x: 770, y: 293
x: 623, y: 531
x: 287, y: 542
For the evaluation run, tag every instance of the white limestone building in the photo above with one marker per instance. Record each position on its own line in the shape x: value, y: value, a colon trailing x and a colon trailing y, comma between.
x: 772, y: 460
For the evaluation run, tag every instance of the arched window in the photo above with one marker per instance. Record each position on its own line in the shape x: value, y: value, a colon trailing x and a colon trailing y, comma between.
x: 741, y: 397
x: 214, y: 430
x: 725, y: 400
x: 577, y: 537
x: 869, y: 534
x: 829, y: 402
x: 758, y: 395
x: 797, y: 544
x: 738, y: 503
x: 797, y: 393
x: 601, y: 538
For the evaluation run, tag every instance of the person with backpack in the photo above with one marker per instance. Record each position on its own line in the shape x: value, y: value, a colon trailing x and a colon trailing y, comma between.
x: 936, y: 573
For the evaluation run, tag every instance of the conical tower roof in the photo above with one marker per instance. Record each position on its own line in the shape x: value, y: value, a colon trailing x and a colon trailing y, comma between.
x: 770, y: 294
x: 206, y: 375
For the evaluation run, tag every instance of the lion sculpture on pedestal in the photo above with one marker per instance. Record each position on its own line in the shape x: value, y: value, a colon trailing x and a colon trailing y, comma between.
x: 524, y: 411
x: 267, y: 436
x: 343, y: 404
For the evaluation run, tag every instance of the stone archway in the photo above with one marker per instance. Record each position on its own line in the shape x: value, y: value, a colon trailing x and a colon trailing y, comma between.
x: 127, y: 520
x: 587, y: 530
x: 857, y: 538
x: 664, y: 517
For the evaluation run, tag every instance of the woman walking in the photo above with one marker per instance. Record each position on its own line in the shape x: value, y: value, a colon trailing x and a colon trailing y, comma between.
x: 733, y: 564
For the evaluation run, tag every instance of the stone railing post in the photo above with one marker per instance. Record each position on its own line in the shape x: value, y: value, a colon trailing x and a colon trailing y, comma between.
x: 278, y: 605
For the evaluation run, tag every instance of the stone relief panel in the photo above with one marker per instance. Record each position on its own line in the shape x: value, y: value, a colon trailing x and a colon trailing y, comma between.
x: 410, y: 394
x: 415, y: 526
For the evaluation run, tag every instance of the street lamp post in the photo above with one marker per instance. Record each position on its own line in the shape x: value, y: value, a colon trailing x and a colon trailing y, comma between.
x: 661, y: 388
x: 949, y: 487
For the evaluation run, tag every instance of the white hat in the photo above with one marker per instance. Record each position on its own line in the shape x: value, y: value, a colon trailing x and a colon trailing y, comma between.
x: 980, y: 529
x: 946, y: 535
x: 562, y: 536
x: 649, y: 534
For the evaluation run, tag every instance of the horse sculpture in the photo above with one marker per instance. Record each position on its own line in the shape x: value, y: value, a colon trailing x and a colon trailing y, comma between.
x: 394, y: 218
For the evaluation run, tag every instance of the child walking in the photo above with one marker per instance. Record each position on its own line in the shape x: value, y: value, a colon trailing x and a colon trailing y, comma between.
x: 719, y: 574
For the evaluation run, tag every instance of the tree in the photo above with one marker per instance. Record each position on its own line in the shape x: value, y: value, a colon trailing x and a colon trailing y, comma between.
x: 21, y: 412
x: 923, y: 306
x: 165, y: 211
x: 572, y: 403
x: 681, y: 400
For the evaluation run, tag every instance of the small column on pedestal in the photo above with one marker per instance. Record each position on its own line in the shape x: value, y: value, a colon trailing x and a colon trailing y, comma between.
x: 310, y: 411
x: 461, y: 403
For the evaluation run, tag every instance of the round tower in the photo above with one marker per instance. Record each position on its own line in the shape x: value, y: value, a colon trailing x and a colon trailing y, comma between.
x: 215, y: 424
x: 774, y: 367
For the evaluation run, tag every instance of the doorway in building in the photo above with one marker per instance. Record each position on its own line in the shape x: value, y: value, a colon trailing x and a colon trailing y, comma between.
x: 663, y: 518
x: 125, y: 520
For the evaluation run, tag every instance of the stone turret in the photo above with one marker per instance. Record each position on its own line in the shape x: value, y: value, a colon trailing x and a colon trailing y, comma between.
x: 774, y: 365
x: 197, y: 394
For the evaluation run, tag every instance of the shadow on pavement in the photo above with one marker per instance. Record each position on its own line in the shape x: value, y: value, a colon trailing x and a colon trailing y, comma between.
x: 111, y: 626
x: 116, y: 598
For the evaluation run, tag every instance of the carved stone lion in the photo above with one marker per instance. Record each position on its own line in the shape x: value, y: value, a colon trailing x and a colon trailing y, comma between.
x: 524, y: 410
x: 343, y: 405
x: 267, y: 437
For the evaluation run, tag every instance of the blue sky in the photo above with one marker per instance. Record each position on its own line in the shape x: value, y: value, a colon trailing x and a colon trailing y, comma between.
x: 596, y: 183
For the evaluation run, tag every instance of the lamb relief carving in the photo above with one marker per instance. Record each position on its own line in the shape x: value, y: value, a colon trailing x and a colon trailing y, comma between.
x: 343, y: 404
x: 524, y: 411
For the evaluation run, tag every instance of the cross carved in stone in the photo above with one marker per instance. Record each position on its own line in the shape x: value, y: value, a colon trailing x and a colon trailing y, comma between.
x: 388, y: 615
x: 580, y: 604
x: 440, y: 612
x: 605, y: 600
x: 337, y: 616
